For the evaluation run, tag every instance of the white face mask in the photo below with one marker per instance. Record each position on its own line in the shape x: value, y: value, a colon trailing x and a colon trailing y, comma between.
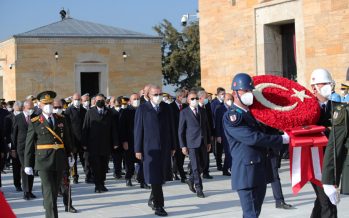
x: 136, y: 103
x: 221, y: 97
x: 76, y: 103
x: 86, y: 104
x: 30, y: 112
x: 57, y: 111
x: 9, y: 109
x: 206, y: 101
x: 247, y: 98
x: 184, y: 100
x: 164, y: 99
x: 157, y: 99
x: 123, y: 106
x: 194, y: 103
x: 117, y: 108
x: 344, y: 92
x: 48, y: 109
x: 229, y: 103
x: 16, y: 112
x: 325, y: 91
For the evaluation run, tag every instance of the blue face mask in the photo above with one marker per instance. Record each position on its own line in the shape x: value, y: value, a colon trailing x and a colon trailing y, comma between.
x: 206, y: 101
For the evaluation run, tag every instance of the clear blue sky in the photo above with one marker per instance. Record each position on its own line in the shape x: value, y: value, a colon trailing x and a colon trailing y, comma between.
x: 18, y: 16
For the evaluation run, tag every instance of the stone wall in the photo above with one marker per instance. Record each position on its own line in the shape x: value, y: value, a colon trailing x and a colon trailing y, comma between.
x: 38, y: 70
x: 232, y: 37
x: 8, y: 85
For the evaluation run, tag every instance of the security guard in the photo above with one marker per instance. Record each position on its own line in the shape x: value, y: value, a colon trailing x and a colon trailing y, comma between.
x: 248, y: 147
x: 47, y: 137
x: 336, y: 167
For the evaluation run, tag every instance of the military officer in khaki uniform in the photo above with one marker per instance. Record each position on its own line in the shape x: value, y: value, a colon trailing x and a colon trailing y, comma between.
x: 47, y: 138
x: 336, y: 167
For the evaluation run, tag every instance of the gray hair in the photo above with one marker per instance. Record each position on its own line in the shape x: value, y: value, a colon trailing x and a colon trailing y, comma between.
x: 18, y: 104
x: 201, y: 93
x: 27, y: 103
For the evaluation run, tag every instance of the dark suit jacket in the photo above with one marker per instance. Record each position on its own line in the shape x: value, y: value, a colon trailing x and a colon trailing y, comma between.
x: 210, y: 118
x: 76, y: 118
x: 99, y: 132
x: 175, y: 117
x: 214, y: 105
x: 220, y: 111
x: 8, y: 125
x: 154, y: 138
x: 193, y: 131
x: 127, y: 126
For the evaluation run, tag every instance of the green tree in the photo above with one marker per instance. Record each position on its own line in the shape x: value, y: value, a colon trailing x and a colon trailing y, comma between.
x: 180, y: 54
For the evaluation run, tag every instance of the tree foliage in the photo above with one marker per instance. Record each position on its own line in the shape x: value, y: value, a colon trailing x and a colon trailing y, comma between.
x: 180, y: 54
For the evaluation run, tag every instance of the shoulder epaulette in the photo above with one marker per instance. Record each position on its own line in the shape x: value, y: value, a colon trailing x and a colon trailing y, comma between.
x: 34, y: 119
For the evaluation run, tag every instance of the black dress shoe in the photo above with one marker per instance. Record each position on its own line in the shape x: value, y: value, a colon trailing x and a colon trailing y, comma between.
x: 129, y: 183
x: 76, y: 181
x: 71, y: 209
x: 26, y: 196
x: 183, y: 180
x: 159, y: 211
x: 117, y: 175
x: 89, y: 181
x: 98, y: 190
x: 104, y: 189
x: 31, y: 195
x: 207, y: 176
x: 219, y: 168
x: 176, y: 177
x: 191, y: 186
x: 19, y: 189
x: 226, y: 173
x: 145, y: 186
x: 200, y: 194
x: 283, y: 205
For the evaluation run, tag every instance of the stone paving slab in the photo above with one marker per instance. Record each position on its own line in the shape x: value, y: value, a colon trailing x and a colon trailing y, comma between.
x: 122, y: 201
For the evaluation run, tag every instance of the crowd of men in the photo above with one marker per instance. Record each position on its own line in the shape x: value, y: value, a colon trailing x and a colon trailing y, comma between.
x: 147, y: 135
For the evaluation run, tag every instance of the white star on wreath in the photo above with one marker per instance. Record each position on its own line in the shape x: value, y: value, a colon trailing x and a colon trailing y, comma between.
x: 300, y: 94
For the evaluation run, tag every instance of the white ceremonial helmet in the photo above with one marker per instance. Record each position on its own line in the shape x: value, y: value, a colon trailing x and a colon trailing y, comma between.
x: 320, y: 76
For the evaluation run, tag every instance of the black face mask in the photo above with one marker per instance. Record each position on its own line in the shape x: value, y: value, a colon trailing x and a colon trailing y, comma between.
x: 100, y: 103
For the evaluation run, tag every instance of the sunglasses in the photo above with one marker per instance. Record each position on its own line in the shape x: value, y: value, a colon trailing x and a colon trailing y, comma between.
x: 57, y: 107
x: 194, y: 99
x: 156, y: 95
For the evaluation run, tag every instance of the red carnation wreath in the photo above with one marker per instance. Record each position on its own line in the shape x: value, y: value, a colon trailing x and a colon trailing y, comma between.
x: 282, y: 103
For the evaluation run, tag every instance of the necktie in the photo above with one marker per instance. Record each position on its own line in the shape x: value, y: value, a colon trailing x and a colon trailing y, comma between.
x: 50, y: 122
x: 27, y: 119
x: 323, y: 106
x: 180, y: 107
x: 100, y: 112
x: 195, y: 112
x: 157, y: 108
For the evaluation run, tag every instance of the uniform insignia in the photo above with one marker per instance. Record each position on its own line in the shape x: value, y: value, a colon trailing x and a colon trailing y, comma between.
x: 339, y: 108
x: 232, y: 118
x: 335, y: 115
x: 60, y: 125
x: 34, y: 119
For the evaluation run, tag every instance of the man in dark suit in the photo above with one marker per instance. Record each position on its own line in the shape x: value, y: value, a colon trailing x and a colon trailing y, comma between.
x: 248, y: 147
x: 154, y: 143
x: 195, y: 140
x: 218, y: 147
x: 220, y: 111
x: 19, y: 135
x: 204, y: 103
x: 144, y: 96
x: 76, y: 115
x: 16, y: 165
x: 178, y: 159
x: 99, y: 137
x: 3, y: 114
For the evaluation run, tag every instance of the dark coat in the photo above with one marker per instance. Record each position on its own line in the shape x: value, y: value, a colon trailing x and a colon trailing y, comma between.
x: 193, y: 131
x: 154, y: 138
x: 219, y: 131
x: 99, y: 132
x: 127, y: 123
x: 175, y: 117
x: 8, y: 125
x: 210, y: 118
x: 76, y: 120
x: 248, y: 148
x: 214, y: 105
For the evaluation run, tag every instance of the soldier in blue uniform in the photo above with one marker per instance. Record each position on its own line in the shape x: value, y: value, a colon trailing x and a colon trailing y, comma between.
x: 248, y: 147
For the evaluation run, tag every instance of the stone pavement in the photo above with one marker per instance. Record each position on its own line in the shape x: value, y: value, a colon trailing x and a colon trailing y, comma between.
x: 122, y: 201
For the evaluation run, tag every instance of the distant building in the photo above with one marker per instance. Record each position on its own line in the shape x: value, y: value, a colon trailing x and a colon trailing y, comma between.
x: 281, y: 37
x: 78, y: 56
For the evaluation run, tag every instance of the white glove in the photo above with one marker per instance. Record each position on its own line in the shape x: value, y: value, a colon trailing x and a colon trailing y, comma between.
x: 331, y: 193
x: 71, y: 161
x: 285, y: 138
x: 28, y: 171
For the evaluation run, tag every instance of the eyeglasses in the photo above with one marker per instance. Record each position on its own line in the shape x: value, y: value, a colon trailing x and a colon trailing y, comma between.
x: 194, y: 99
x: 57, y: 107
x: 136, y: 99
x: 156, y: 95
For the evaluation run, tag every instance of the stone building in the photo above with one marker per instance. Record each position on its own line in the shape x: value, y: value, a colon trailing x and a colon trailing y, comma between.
x: 279, y: 37
x: 78, y: 56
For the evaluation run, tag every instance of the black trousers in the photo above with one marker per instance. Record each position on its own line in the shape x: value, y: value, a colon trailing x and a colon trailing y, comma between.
x: 65, y: 188
x: 178, y: 162
x: 50, y: 183
x: 82, y: 161
x: 197, y: 157
x: 87, y: 166
x: 140, y: 173
x: 219, y: 153
x: 156, y: 196
x: 118, y: 156
x: 27, y: 180
x: 99, y: 165
x: 16, y: 171
x: 323, y: 208
x: 130, y: 163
